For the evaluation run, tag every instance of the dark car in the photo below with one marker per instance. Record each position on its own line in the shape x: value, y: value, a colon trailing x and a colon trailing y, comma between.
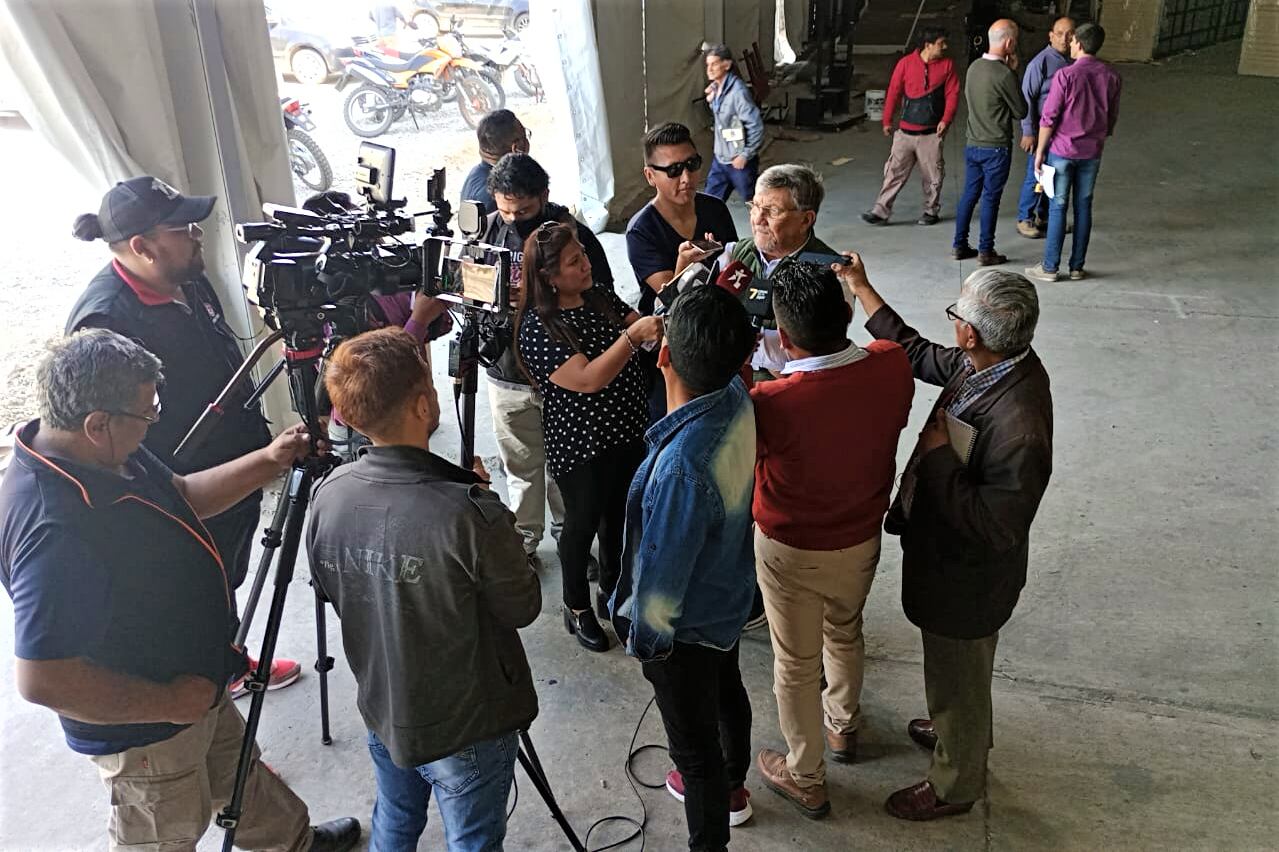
x: 307, y: 49
x: 480, y: 17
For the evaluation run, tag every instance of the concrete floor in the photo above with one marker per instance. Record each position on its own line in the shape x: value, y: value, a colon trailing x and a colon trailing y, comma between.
x: 1135, y: 688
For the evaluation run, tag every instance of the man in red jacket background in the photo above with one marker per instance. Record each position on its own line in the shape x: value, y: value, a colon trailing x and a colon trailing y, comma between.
x: 928, y: 85
x: 826, y: 435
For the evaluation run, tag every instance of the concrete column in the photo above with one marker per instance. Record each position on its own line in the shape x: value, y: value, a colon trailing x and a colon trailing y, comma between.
x: 1131, y: 29
x: 1260, y: 55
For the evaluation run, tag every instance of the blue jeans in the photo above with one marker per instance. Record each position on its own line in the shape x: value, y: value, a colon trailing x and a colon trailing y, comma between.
x: 985, y: 173
x: 471, y: 787
x: 723, y: 179
x: 1077, y: 178
x: 1031, y: 206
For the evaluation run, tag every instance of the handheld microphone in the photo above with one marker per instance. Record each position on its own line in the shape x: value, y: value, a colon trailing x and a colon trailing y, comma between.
x: 755, y: 292
x: 694, y: 275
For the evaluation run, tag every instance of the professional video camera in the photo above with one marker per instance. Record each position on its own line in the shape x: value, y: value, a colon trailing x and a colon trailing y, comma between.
x: 312, y: 273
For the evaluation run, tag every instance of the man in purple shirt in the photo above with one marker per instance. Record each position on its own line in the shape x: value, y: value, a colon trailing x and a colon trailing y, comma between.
x: 1080, y: 113
x: 1032, y: 207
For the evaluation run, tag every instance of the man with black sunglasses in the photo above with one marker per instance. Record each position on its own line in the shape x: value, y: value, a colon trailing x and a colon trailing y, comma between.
x: 677, y: 213
x: 154, y: 291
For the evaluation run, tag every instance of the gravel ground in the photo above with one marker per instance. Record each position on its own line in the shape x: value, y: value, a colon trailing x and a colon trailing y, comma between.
x: 48, y: 268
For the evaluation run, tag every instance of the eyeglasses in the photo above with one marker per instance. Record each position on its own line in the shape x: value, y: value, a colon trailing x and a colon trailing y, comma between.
x: 192, y: 229
x: 770, y: 213
x: 545, y: 231
x: 674, y: 170
x: 152, y: 418
x: 950, y: 312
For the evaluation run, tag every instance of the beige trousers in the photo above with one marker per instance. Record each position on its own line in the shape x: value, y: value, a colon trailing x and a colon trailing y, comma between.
x: 908, y: 150
x: 814, y: 600
x: 521, y: 444
x: 163, y: 795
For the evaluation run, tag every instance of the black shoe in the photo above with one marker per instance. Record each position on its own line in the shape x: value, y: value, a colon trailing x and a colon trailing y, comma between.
x: 871, y: 219
x: 601, y: 604
x: 928, y: 219
x: 588, y: 631
x: 337, y: 835
x: 963, y: 253
x: 991, y: 258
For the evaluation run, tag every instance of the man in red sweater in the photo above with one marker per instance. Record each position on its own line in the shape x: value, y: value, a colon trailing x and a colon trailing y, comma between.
x: 827, y: 435
x: 929, y: 86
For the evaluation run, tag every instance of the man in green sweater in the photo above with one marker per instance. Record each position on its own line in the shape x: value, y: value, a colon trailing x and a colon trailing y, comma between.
x: 995, y: 104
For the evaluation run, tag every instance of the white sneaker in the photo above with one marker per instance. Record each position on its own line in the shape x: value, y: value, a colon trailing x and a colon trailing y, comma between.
x: 1038, y: 273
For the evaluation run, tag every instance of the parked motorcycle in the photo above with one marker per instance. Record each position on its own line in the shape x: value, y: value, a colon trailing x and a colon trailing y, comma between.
x: 417, y: 85
x: 511, y: 55
x: 310, y: 166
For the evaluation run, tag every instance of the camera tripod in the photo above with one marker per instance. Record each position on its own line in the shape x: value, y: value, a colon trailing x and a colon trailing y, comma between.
x: 283, y: 536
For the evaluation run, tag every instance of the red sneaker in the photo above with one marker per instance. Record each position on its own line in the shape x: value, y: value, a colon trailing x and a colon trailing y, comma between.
x: 283, y: 673
x: 739, y: 800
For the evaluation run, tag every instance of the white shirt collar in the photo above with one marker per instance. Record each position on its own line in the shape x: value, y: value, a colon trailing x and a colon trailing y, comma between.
x: 848, y: 355
x: 992, y: 57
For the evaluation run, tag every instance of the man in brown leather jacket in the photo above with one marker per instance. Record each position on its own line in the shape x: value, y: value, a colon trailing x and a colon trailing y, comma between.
x: 968, y: 496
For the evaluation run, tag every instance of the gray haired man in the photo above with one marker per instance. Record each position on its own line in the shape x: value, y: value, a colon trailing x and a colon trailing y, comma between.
x: 122, y: 611
x: 968, y: 496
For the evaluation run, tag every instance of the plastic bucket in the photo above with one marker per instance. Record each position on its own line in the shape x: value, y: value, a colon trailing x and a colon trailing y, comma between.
x: 875, y: 104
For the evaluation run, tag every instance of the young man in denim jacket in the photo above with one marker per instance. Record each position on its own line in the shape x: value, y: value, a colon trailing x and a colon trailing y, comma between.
x: 688, y: 571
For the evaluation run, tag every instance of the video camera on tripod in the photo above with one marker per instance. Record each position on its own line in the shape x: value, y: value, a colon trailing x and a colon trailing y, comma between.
x: 313, y: 274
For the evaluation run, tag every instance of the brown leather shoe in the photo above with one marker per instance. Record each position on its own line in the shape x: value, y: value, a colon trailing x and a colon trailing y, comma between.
x: 963, y: 253
x: 809, y: 801
x: 843, y: 747
x: 923, y: 732
x: 991, y: 258
x: 920, y: 802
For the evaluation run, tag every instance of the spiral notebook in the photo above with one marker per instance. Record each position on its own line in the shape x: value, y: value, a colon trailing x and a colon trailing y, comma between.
x: 963, y: 437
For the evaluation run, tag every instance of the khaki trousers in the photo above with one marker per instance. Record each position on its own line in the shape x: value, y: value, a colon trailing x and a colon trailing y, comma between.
x: 814, y: 601
x: 163, y: 795
x: 521, y: 444
x: 907, y: 150
x: 957, y: 675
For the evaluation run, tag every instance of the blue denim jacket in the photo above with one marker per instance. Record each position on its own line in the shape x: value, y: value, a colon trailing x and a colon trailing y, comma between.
x: 688, y: 570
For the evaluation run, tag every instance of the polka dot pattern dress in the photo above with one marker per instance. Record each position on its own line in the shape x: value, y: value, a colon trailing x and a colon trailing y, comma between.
x: 579, y: 426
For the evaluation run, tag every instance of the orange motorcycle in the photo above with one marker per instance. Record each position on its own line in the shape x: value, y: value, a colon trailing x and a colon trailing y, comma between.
x: 391, y: 86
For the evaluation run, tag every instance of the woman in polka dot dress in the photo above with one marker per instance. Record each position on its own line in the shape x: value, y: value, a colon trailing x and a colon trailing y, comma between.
x: 577, y: 343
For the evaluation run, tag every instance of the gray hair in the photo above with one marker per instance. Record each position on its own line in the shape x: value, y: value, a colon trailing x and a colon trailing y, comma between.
x: 1002, y: 306
x: 805, y: 185
x: 93, y: 370
x: 998, y: 37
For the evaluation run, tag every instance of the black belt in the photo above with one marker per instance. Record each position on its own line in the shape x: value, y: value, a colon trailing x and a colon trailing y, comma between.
x: 926, y: 132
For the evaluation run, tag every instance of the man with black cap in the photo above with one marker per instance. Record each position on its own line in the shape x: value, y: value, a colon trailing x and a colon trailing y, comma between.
x: 154, y: 291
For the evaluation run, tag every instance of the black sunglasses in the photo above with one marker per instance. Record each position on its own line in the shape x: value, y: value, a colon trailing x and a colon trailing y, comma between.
x: 674, y: 170
x: 546, y: 230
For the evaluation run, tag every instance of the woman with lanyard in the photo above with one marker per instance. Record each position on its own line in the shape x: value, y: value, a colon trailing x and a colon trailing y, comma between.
x: 577, y: 343
x: 739, y: 128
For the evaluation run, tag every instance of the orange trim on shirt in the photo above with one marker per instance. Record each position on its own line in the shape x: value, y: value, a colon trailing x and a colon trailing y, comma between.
x: 145, y: 294
x: 83, y: 491
x: 212, y: 548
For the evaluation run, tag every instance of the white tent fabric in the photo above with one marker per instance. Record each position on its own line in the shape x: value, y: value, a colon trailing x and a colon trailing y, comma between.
x: 182, y: 89
x: 562, y: 36
x: 652, y: 71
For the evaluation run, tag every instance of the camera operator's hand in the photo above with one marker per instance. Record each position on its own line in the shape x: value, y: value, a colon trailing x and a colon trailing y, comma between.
x: 853, y: 276
x: 477, y: 467
x: 292, y: 444
x: 645, y: 329
x: 689, y: 253
x: 190, y: 698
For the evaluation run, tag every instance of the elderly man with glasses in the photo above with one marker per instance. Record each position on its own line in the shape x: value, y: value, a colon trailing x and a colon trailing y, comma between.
x: 154, y: 291
x: 967, y: 498
x: 123, y: 623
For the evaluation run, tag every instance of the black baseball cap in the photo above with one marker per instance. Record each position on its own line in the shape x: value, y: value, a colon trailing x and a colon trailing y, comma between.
x: 137, y: 205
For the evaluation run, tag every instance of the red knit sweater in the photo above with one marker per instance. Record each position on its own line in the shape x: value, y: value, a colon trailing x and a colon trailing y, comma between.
x: 828, y: 449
